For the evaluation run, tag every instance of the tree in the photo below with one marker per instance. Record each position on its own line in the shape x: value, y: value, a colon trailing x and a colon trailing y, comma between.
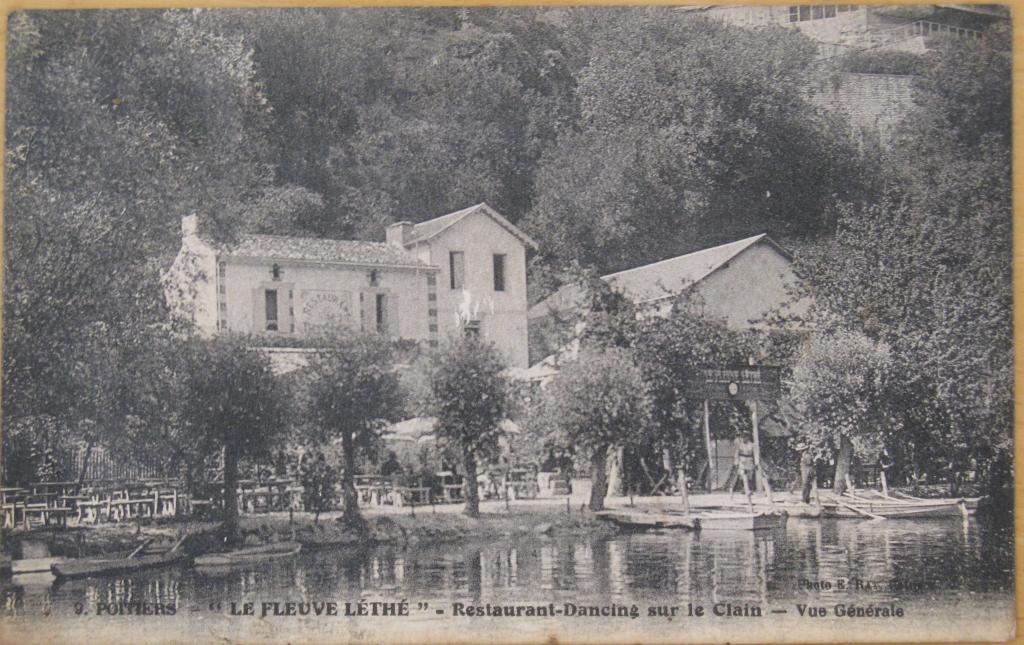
x: 118, y: 124
x: 840, y: 389
x: 596, y: 403
x: 692, y: 132
x: 221, y: 397
x: 927, y: 269
x: 353, y: 391
x: 468, y: 395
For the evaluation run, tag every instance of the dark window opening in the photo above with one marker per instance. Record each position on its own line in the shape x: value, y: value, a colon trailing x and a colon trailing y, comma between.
x: 499, y: 272
x: 271, y: 309
x: 275, y: 272
x: 374, y: 278
x: 457, y: 269
x: 381, y: 313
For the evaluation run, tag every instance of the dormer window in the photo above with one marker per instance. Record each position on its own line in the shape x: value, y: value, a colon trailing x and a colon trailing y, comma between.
x: 275, y: 272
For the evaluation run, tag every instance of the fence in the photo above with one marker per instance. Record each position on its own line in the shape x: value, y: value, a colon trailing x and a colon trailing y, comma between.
x: 104, y: 466
x: 928, y: 28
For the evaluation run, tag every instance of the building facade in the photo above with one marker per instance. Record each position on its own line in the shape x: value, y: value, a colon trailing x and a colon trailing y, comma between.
x: 845, y: 28
x: 463, y: 272
x: 481, y: 281
x: 746, y: 284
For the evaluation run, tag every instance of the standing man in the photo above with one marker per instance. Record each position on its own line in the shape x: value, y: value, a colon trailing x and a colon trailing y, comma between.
x: 744, y: 464
x: 808, y: 471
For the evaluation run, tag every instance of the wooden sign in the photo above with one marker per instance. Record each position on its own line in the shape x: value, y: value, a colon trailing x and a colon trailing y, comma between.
x: 736, y: 384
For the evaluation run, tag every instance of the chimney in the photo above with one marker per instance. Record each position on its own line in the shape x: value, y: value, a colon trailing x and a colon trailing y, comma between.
x: 190, y: 226
x: 398, y: 233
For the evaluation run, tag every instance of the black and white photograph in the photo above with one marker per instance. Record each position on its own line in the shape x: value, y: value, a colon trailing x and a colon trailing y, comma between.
x: 510, y: 324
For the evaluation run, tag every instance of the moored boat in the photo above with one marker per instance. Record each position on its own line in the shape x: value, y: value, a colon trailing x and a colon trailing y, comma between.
x: 27, y: 566
x: 922, y: 509
x: 740, y: 521
x: 249, y: 555
x: 642, y: 520
x: 137, y: 560
x: 697, y: 519
x: 85, y: 567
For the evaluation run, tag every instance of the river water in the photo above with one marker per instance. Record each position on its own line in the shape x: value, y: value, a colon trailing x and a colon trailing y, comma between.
x: 945, y: 578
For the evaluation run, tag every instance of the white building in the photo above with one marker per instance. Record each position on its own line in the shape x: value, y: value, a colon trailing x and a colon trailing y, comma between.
x: 427, y: 281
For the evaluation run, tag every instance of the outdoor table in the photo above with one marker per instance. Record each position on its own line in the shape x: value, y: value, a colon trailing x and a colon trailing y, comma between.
x: 10, y: 510
x: 61, y: 488
x: 372, y: 489
x: 11, y: 492
x: 45, y: 513
x: 405, y: 495
x: 452, y: 492
x: 166, y: 502
x: 72, y: 502
x: 91, y: 509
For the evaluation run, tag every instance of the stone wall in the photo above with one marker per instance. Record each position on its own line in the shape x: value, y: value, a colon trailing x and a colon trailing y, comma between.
x: 874, y: 103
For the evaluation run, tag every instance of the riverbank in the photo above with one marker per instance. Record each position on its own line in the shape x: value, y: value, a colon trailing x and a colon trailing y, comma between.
x: 401, y: 526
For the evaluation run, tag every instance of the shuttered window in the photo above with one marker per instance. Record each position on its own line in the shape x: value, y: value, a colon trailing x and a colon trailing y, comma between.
x: 499, y: 272
x: 457, y: 269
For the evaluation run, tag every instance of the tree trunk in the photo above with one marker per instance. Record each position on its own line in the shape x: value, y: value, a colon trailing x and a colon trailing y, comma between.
x: 472, y: 494
x: 349, y: 498
x: 85, y: 463
x: 230, y: 526
x: 842, y: 464
x: 616, y: 474
x: 598, y: 478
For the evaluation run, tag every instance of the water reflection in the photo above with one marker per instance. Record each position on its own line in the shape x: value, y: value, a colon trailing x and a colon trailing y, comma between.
x: 939, y: 560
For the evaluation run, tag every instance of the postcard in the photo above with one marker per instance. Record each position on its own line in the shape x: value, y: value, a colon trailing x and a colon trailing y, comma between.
x: 573, y: 324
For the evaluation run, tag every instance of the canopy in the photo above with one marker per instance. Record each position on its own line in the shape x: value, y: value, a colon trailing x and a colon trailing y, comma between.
x: 421, y: 429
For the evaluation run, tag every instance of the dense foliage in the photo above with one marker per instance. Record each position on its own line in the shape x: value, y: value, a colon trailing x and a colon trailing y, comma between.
x: 614, y: 136
x: 199, y: 398
x: 469, y: 398
x: 352, y: 391
x: 926, y: 268
x: 840, y: 391
x: 597, y: 403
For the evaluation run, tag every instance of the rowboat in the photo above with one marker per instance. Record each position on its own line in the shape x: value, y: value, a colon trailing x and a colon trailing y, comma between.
x: 86, y: 567
x: 642, y: 520
x: 970, y: 503
x: 740, y: 521
x: 249, y: 555
x: 875, y: 505
x: 924, y: 509
x: 704, y: 520
x: 28, y: 566
x: 137, y: 560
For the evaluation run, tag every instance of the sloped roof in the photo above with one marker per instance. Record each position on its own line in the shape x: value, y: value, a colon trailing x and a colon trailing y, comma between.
x: 431, y: 228
x: 661, y: 279
x: 649, y: 282
x: 280, y: 247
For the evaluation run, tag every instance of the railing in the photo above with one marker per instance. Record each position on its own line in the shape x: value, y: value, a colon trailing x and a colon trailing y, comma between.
x: 930, y: 29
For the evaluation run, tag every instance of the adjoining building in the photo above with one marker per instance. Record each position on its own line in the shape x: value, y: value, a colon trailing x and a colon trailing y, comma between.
x: 845, y: 28
x: 744, y: 284
x: 464, y: 270
x: 874, y: 101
